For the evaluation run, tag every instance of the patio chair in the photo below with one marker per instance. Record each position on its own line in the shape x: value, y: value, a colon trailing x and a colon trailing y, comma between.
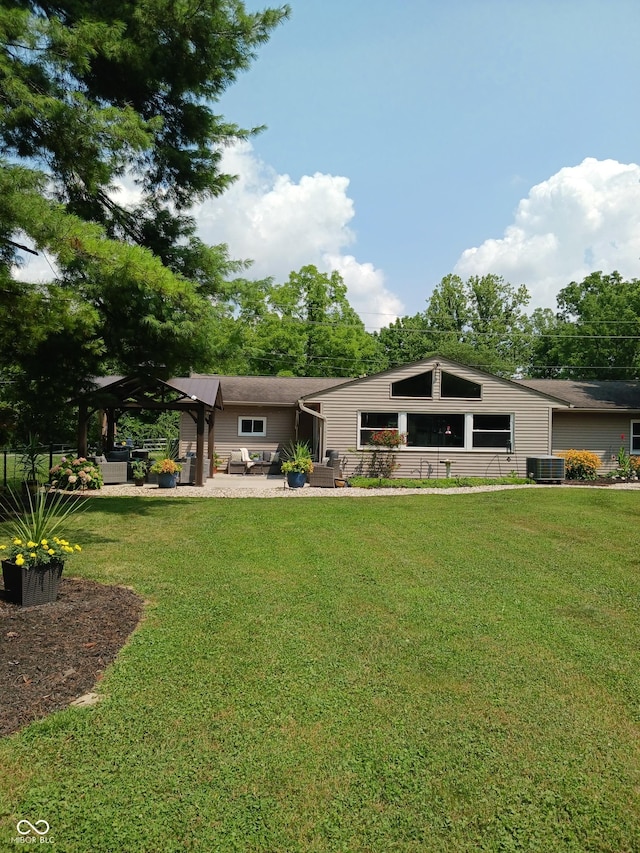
x: 113, y: 472
x: 240, y: 462
x: 325, y: 474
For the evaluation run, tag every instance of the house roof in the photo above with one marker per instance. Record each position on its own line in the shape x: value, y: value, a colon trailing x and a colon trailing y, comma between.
x: 433, y: 360
x: 191, y: 389
x: 270, y: 390
x: 604, y: 394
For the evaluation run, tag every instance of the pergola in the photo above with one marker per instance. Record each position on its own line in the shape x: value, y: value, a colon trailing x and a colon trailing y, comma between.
x: 198, y: 396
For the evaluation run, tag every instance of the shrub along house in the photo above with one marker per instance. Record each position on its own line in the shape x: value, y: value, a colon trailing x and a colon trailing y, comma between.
x: 478, y: 423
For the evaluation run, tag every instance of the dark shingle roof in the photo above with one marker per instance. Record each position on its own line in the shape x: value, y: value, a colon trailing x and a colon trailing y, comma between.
x: 271, y: 390
x: 605, y: 394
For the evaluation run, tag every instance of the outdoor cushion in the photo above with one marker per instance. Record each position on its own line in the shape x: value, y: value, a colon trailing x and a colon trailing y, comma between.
x: 117, y: 456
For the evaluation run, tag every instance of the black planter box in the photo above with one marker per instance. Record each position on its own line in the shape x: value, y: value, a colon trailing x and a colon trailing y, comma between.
x: 30, y: 587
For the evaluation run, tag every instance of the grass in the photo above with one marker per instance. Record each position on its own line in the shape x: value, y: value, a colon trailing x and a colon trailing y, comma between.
x: 410, y: 673
x: 434, y: 483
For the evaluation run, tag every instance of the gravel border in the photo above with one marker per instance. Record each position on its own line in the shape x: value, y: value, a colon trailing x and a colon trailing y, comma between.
x: 210, y: 491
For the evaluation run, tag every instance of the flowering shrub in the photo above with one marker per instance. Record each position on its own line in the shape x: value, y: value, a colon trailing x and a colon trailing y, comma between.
x: 72, y: 474
x: 388, y: 438
x: 580, y: 464
x: 628, y: 467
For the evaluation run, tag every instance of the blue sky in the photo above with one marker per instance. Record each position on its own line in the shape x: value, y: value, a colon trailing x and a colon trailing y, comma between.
x: 440, y: 116
x: 407, y: 140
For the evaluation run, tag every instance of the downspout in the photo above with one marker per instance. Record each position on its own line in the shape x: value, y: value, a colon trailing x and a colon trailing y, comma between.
x: 320, y: 417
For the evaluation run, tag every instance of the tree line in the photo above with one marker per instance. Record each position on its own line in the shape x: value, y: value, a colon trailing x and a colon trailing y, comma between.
x: 91, y: 94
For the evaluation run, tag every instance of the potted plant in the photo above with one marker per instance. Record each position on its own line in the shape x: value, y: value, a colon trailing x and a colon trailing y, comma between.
x: 217, y: 461
x: 167, y: 471
x: 139, y: 471
x: 35, y: 549
x: 297, y: 464
x: 74, y: 474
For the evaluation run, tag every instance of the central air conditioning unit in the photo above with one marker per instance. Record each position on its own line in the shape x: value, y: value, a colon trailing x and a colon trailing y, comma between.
x: 545, y: 469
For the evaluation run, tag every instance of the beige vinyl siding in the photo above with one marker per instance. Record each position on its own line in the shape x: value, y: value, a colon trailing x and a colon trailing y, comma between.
x: 531, y: 422
x: 600, y: 433
x: 280, y: 430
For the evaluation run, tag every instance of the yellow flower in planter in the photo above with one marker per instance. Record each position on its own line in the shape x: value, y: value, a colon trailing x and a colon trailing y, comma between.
x: 34, y: 542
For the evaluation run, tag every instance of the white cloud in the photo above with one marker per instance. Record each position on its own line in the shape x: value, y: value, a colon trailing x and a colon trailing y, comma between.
x: 583, y: 218
x: 283, y: 225
x: 280, y: 225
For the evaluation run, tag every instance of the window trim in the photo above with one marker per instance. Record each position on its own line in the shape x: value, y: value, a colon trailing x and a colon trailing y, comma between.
x: 463, y: 379
x: 430, y: 396
x: 475, y: 431
x: 634, y: 452
x: 360, y: 428
x: 253, y: 433
x: 468, y: 431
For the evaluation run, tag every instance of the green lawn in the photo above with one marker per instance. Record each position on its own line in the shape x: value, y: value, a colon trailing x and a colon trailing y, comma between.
x: 407, y: 673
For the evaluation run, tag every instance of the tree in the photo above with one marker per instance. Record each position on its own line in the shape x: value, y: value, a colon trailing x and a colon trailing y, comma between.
x: 93, y: 93
x: 480, y: 322
x: 305, y: 327
x: 594, y: 334
x: 94, y: 90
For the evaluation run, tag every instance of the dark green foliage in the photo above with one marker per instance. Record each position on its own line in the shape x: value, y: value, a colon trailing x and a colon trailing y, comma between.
x: 304, y: 327
x: 479, y: 322
x: 595, y: 332
x: 92, y: 93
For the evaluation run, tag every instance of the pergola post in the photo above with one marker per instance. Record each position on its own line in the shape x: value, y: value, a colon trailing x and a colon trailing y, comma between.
x: 83, y: 419
x: 211, y: 441
x: 111, y: 428
x: 200, y: 423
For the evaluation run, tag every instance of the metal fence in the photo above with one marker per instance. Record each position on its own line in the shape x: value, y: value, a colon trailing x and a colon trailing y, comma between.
x: 13, y: 460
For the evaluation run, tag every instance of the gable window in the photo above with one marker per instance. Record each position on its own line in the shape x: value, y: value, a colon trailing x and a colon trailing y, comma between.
x: 492, y: 431
x: 455, y: 386
x: 252, y: 426
x: 414, y: 386
x: 371, y: 422
x: 435, y: 430
x: 635, y: 437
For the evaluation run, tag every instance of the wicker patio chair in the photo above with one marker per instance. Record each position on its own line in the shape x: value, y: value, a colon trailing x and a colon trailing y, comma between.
x: 113, y: 472
x: 240, y: 462
x: 324, y: 475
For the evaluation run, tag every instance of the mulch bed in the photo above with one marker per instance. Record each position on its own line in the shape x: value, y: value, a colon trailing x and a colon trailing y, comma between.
x: 55, y: 653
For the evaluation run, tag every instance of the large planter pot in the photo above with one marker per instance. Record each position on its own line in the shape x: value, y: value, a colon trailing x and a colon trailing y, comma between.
x: 29, y: 587
x: 167, y: 481
x: 296, y: 479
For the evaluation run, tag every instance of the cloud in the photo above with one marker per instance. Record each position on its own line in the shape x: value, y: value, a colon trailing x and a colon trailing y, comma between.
x: 283, y: 225
x: 583, y: 218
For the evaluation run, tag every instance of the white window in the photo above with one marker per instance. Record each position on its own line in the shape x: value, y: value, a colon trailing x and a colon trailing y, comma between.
x: 635, y: 437
x: 373, y: 422
x: 252, y: 426
x: 450, y: 431
x: 492, y: 431
x: 429, y: 430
